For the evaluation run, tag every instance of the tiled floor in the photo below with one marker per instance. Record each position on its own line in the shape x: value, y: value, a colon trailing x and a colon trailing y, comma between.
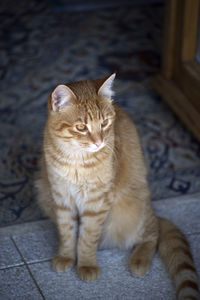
x: 26, y: 251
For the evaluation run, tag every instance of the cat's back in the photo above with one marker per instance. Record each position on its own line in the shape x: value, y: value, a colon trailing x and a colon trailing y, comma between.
x: 126, y: 130
x: 127, y: 141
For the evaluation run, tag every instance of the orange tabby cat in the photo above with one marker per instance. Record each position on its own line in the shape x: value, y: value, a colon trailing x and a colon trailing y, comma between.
x: 93, y: 184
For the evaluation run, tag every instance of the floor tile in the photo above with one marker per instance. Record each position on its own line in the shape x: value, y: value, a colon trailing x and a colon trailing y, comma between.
x: 9, y: 255
x: 115, y: 281
x: 194, y: 241
x: 16, y: 283
x: 37, y: 245
x: 39, y: 242
x: 183, y: 211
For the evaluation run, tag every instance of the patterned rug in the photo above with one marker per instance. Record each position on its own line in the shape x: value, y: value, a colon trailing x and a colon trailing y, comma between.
x: 41, y: 48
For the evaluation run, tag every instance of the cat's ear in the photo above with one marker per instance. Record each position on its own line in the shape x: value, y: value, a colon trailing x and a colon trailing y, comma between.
x: 106, y: 90
x: 62, y: 97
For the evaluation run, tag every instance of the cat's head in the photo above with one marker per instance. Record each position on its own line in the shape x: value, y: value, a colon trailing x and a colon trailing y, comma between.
x: 81, y: 114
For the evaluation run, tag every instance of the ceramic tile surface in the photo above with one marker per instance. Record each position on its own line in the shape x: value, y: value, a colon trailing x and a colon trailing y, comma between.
x: 9, y: 256
x: 16, y: 283
x: 37, y: 244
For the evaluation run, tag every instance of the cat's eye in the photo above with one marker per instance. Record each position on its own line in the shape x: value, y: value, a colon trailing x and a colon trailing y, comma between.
x: 104, y: 123
x: 81, y: 127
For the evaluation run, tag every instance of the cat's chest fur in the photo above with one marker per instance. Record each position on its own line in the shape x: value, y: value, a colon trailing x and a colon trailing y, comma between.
x: 81, y: 179
x: 82, y: 172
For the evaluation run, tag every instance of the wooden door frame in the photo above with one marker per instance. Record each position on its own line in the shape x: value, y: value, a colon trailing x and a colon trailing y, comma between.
x: 179, y: 78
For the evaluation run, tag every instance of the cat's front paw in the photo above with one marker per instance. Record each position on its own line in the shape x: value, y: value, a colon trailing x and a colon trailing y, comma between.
x: 61, y: 263
x: 89, y: 273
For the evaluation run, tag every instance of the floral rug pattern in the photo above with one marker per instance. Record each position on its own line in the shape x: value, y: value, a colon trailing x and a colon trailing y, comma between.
x: 40, y: 49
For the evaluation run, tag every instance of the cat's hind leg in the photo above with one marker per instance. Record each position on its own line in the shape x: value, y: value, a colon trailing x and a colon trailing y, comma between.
x: 141, y: 258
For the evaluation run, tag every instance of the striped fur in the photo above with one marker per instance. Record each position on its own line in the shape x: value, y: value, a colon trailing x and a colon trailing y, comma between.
x: 175, y: 252
x: 93, y: 184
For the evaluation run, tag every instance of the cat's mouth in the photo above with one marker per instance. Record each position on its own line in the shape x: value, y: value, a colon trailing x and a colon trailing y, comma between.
x: 96, y: 147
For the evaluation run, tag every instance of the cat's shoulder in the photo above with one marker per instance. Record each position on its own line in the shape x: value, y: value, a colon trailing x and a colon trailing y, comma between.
x: 122, y: 118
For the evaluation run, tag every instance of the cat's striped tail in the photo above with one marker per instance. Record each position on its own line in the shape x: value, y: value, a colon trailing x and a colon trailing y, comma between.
x: 175, y: 252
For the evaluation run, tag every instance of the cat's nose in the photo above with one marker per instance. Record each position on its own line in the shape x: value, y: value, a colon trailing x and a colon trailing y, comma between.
x: 98, y: 143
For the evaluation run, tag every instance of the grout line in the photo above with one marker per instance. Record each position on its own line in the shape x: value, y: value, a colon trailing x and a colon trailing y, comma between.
x: 25, y: 264
x: 13, y: 266
x: 39, y: 261
x: 30, y: 273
